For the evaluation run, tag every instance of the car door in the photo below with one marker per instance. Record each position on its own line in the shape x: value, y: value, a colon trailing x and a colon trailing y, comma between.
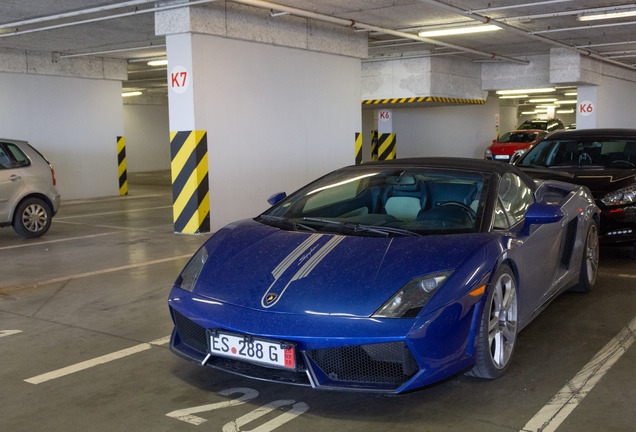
x: 11, y: 183
x: 536, y: 254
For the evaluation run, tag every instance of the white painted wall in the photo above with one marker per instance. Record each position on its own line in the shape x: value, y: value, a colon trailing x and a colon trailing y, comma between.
x: 276, y: 118
x: 147, y: 135
x: 615, y: 103
x: 74, y: 122
x: 462, y: 131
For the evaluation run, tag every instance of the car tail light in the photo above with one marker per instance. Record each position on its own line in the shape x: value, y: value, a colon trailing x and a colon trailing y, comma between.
x: 53, y: 175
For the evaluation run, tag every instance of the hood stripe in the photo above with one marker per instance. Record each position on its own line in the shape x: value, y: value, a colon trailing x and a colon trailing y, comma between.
x: 305, y: 269
x: 289, y: 260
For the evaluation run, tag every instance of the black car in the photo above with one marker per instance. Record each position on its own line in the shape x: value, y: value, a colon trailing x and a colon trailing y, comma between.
x: 604, y: 160
x: 546, y: 125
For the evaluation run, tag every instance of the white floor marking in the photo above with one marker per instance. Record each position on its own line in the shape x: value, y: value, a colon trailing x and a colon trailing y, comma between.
x: 566, y: 400
x: 112, y: 212
x: 108, y: 270
x: 96, y: 361
x: 4, y: 333
x: 59, y: 240
x: 618, y: 275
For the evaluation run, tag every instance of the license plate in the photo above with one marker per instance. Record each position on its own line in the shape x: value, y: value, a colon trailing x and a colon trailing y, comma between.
x: 255, y: 350
x: 506, y: 157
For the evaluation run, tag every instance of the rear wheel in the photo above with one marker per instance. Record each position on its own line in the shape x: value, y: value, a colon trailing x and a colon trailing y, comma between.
x: 32, y: 218
x: 589, y: 263
x: 498, y: 330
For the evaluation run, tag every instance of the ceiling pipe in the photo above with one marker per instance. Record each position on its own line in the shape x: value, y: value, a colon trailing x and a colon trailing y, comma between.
x: 525, y: 34
x: 517, y: 6
x: 358, y: 25
x: 74, y: 13
x: 106, y: 18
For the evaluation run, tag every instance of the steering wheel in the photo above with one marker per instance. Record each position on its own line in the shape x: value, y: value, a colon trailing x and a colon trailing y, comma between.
x: 462, y: 206
x: 623, y: 162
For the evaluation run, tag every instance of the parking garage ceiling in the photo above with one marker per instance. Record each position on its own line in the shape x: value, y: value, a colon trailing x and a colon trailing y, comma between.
x: 125, y: 29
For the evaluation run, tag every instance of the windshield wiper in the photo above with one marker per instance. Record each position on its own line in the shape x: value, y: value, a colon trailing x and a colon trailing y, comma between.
x: 283, y: 223
x: 348, y: 227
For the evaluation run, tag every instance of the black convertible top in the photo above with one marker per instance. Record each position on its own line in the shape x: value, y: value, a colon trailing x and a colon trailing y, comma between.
x: 591, y: 133
x: 488, y: 166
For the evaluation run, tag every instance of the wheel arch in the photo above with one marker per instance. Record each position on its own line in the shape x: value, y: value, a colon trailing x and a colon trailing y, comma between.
x: 41, y: 196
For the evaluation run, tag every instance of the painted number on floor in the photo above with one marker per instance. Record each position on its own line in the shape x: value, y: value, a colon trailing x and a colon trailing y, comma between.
x: 297, y: 408
x: 4, y: 333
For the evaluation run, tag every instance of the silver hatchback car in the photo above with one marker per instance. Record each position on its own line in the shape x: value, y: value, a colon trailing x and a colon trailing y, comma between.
x: 28, y: 196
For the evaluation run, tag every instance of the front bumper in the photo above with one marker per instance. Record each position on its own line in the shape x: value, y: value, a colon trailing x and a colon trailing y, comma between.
x: 337, y: 353
x: 618, y: 225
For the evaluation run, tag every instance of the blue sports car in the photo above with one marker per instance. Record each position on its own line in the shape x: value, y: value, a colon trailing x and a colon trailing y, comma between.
x: 386, y: 276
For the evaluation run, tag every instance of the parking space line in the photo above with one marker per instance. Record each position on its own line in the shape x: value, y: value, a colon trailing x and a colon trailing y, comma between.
x: 617, y: 275
x: 112, y: 212
x: 108, y: 270
x: 550, y: 417
x: 95, y: 362
x: 58, y: 240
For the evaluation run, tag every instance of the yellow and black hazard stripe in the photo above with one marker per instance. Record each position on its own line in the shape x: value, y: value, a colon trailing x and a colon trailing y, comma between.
x: 358, y: 148
x: 386, y: 146
x: 374, y: 145
x: 422, y: 99
x: 121, y: 163
x: 190, y: 185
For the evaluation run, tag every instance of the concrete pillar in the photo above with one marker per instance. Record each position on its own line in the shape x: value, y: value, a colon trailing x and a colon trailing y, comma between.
x: 277, y: 98
x: 586, y: 107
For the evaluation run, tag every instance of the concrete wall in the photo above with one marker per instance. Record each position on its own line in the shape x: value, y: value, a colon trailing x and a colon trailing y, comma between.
x: 276, y: 117
x: 463, y: 130
x: 147, y: 134
x: 74, y: 122
x: 615, y: 103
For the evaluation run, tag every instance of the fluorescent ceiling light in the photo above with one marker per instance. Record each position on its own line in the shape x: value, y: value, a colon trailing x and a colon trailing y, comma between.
x: 546, y: 106
x: 570, y: 94
x: 521, y: 91
x: 158, y: 63
x: 562, y: 102
x: 528, y: 112
x: 132, y: 93
x: 513, y: 96
x: 542, y: 100
x: 607, y: 15
x: 459, y: 30
x: 570, y: 111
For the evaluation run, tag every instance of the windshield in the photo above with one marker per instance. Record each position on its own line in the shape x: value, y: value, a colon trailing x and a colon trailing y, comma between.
x: 518, y: 137
x: 386, y: 203
x: 582, y: 152
x: 543, y: 125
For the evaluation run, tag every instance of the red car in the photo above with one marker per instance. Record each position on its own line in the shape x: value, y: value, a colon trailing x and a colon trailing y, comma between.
x: 503, y: 148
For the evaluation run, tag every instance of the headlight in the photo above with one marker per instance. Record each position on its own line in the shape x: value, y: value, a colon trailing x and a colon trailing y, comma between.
x: 620, y: 197
x: 488, y: 154
x: 188, y: 277
x: 411, y: 298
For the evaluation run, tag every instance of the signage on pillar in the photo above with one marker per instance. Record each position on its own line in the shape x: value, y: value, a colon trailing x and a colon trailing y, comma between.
x: 385, y: 121
x: 586, y: 108
x: 179, y: 79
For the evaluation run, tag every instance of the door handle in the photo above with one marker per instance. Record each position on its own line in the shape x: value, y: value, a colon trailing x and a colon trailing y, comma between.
x: 15, y: 177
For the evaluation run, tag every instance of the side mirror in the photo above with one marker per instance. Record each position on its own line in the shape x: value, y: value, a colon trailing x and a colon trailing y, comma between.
x: 276, y: 198
x: 540, y: 214
x: 494, y: 141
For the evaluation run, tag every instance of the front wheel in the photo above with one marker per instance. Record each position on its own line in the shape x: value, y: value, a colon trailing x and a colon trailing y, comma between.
x: 589, y: 262
x: 32, y: 218
x: 498, y: 329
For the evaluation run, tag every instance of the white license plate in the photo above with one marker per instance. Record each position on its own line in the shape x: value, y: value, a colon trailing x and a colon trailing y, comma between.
x: 505, y: 157
x: 266, y: 352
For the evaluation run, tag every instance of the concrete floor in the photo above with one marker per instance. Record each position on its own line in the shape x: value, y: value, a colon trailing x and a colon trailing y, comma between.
x: 83, y: 346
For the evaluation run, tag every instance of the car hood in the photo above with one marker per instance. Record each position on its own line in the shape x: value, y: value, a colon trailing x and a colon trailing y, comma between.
x: 509, y: 147
x: 260, y: 267
x: 598, y: 180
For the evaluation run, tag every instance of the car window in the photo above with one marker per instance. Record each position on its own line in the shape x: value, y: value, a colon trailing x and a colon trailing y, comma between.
x: 5, y: 160
x: 582, y: 152
x: 18, y: 155
x: 514, y: 198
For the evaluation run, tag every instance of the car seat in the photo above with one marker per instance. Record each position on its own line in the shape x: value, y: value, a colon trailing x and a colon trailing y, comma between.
x: 405, y: 198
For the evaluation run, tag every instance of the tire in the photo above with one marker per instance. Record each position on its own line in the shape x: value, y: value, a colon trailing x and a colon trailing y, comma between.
x: 497, y: 336
x: 32, y: 218
x: 589, y: 262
